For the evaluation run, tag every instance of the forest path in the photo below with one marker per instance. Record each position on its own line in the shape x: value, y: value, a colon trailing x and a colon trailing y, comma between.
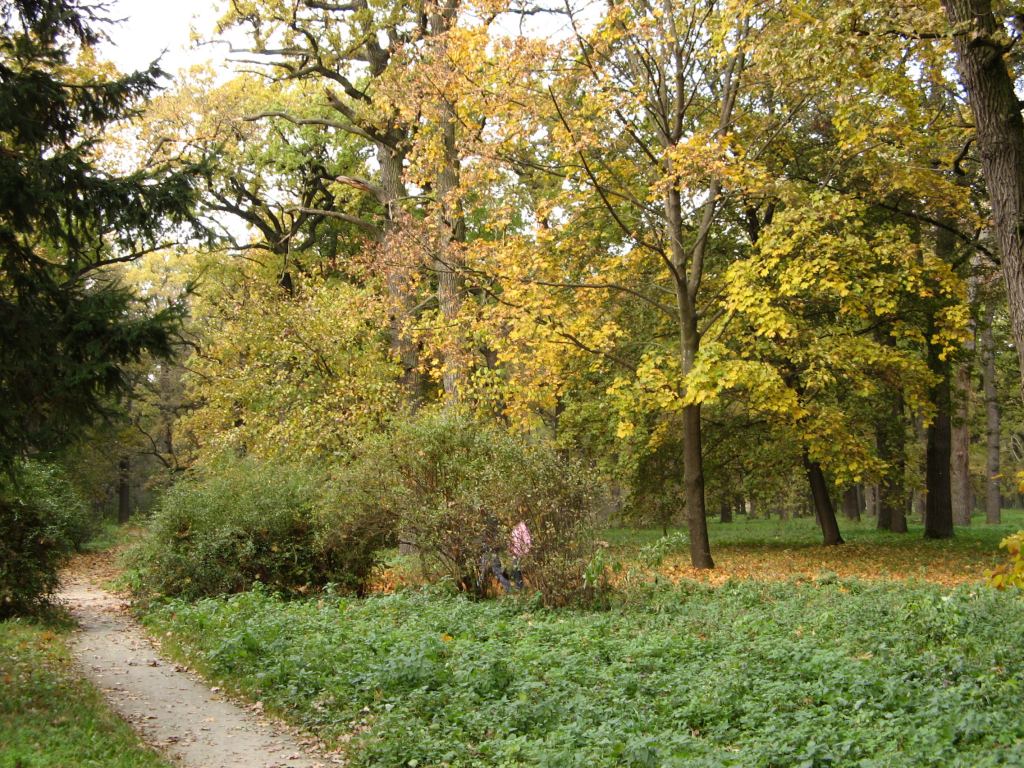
x: 172, y: 709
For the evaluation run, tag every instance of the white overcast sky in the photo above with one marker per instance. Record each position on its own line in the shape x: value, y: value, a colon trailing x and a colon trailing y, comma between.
x: 151, y: 27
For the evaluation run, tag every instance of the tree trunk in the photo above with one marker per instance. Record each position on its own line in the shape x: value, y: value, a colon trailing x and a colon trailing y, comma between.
x: 920, y: 504
x: 981, y: 44
x: 452, y: 225
x: 871, y: 507
x: 892, y: 449
x: 993, y: 501
x: 851, y: 503
x: 938, y: 518
x: 403, y: 348
x: 725, y: 511
x: 124, y: 509
x: 960, y: 451
x: 693, y: 450
x: 693, y: 480
x: 823, y: 508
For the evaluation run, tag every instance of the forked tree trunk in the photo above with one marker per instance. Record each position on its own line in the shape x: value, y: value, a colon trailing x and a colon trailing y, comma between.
x: 689, y: 345
x: 981, y: 46
x: 993, y: 499
x: 823, y: 509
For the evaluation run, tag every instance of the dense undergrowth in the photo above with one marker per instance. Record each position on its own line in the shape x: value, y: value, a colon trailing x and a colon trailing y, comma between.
x: 451, y: 487
x: 43, y: 519
x: 49, y: 717
x: 808, y: 673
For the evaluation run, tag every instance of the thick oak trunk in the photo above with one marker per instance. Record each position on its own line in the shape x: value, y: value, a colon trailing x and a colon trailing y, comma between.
x: 823, y: 509
x: 981, y: 46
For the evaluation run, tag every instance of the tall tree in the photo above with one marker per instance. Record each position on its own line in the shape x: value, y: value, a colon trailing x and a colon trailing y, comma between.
x: 982, y: 43
x: 69, y: 328
x: 643, y: 122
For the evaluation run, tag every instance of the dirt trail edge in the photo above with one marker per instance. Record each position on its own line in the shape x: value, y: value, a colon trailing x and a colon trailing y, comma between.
x: 172, y: 710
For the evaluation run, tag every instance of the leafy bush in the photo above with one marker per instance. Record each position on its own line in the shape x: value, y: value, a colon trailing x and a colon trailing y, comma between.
x: 1010, y: 574
x: 233, y: 523
x: 456, y: 488
x: 31, y: 551
x: 61, y: 503
x: 354, y: 523
x: 42, y: 520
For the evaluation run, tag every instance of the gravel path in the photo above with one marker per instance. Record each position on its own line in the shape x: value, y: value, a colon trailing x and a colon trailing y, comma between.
x: 171, y: 708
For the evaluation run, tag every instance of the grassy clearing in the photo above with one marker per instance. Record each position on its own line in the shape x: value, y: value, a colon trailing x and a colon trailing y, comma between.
x: 819, y: 673
x: 51, y: 718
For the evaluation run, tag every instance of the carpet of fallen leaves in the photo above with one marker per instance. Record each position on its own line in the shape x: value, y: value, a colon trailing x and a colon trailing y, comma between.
x: 948, y: 566
x: 770, y: 551
x: 101, y: 564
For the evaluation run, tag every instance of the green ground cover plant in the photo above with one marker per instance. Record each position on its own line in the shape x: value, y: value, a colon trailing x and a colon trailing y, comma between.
x: 49, y: 717
x: 806, y: 673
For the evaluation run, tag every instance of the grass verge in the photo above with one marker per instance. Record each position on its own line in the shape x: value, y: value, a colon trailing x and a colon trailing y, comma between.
x: 754, y: 674
x: 49, y: 716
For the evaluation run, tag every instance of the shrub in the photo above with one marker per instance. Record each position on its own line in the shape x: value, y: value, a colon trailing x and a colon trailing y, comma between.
x: 231, y: 524
x: 42, y: 520
x: 30, y: 555
x: 456, y: 488
x: 354, y: 523
x: 1010, y: 574
x: 60, y: 502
